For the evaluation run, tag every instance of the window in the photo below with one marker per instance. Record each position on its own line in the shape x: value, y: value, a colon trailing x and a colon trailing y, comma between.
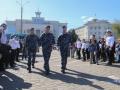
x: 99, y: 27
x: 91, y: 28
x: 95, y: 28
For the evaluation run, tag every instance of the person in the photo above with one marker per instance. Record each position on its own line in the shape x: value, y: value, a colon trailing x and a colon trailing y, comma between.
x: 47, y: 42
x: 18, y: 49
x: 4, y: 48
x: 87, y: 50
x: 110, y: 47
x: 84, y: 49
x: 94, y: 51
x: 24, y: 50
x: 64, y: 43
x: 78, y: 46
x: 32, y: 42
x: 103, y: 50
x: 118, y: 51
x: 13, y: 45
x: 72, y: 50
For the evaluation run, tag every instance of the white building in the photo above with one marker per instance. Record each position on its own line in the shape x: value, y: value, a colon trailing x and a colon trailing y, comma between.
x: 95, y: 27
x: 38, y: 22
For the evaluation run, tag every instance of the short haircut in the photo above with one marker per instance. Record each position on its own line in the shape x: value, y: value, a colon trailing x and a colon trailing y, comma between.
x: 32, y: 29
x: 64, y: 27
x: 48, y: 26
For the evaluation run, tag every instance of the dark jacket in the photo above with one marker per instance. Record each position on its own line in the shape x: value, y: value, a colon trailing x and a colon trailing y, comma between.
x: 47, y: 40
x: 64, y: 40
x: 32, y: 42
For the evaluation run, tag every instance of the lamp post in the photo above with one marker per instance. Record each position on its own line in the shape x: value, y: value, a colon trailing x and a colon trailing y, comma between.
x: 22, y: 5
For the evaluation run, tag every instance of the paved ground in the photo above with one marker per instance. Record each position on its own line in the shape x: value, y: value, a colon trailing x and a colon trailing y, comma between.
x: 80, y: 76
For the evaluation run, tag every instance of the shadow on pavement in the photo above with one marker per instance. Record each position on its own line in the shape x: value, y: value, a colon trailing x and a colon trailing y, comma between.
x: 116, y: 66
x: 9, y: 81
x: 69, y: 79
x: 89, y: 76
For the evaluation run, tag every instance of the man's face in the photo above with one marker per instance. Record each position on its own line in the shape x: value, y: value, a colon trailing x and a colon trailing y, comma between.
x: 64, y: 30
x: 47, y: 30
x: 108, y: 33
x: 31, y: 31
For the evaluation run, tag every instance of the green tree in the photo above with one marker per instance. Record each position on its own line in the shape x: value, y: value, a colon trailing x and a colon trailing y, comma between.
x: 74, y: 36
x: 116, y: 29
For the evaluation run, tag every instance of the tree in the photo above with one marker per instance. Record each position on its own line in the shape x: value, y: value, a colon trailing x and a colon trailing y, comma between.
x: 116, y: 29
x: 74, y: 36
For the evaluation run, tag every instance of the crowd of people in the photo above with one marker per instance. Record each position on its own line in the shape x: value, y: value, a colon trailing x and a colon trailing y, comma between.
x: 94, y: 51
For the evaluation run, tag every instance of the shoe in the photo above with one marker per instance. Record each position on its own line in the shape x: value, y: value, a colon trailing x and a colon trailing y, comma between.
x: 119, y: 61
x: 109, y: 64
x: 30, y: 71
x: 2, y: 69
x: 63, y: 71
x: 97, y: 63
x: 33, y: 66
x: 47, y: 73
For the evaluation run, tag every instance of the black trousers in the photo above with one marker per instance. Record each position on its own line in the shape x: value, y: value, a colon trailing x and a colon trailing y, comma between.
x: 17, y: 54
x: 64, y: 55
x: 2, y: 67
x: 103, y: 55
x: 24, y: 53
x: 4, y: 50
x: 31, y: 58
x: 12, y: 59
x: 84, y: 54
x: 110, y: 54
x: 88, y: 54
x: 79, y: 53
x: 46, y: 56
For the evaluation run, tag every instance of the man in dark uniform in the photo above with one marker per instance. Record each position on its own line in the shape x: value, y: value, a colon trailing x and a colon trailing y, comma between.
x: 32, y: 42
x: 47, y: 42
x: 64, y: 43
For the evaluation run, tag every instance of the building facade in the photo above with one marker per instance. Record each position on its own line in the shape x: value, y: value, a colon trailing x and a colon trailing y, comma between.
x: 95, y: 27
x: 38, y: 22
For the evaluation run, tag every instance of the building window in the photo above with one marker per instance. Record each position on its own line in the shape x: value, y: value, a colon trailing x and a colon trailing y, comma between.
x: 95, y: 28
x: 99, y: 27
x: 91, y: 28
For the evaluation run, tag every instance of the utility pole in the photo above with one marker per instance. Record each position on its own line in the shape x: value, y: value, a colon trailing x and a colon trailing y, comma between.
x: 22, y: 5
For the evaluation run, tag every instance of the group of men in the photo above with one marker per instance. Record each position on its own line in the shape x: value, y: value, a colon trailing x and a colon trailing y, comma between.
x: 47, y: 42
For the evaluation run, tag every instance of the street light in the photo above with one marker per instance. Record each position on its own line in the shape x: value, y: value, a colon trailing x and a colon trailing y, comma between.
x: 22, y: 5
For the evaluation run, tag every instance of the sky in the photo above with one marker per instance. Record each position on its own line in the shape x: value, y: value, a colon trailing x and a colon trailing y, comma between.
x: 73, y: 12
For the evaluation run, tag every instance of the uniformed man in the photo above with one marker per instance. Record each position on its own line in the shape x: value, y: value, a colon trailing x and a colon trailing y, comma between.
x: 64, y: 43
x: 32, y: 42
x: 47, y: 42
x: 110, y: 47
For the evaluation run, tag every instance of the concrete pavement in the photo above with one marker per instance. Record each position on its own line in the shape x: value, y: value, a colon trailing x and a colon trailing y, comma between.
x: 79, y: 76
